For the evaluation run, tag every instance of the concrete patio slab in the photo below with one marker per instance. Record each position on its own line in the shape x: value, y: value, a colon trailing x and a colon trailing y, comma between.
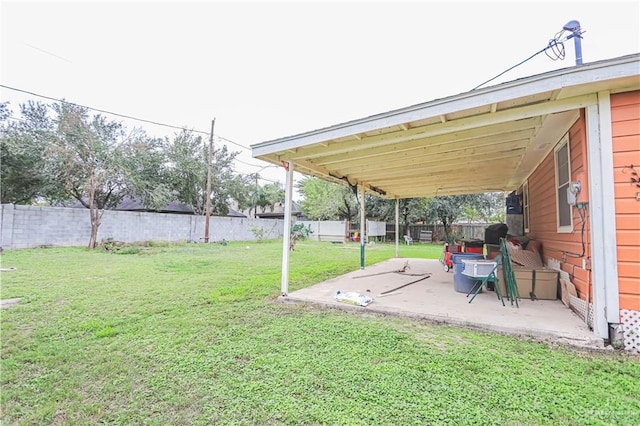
x: 435, y: 299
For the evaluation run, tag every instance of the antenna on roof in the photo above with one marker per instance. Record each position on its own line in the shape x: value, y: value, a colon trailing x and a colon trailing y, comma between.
x: 554, y: 49
x: 576, y: 34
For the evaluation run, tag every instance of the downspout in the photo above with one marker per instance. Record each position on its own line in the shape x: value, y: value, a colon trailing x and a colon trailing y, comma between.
x: 286, y: 234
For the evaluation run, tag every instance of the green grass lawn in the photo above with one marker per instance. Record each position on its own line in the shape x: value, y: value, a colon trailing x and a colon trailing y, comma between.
x: 193, y: 334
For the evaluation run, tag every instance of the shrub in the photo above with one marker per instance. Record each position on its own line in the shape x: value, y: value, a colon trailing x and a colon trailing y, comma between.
x: 258, y: 232
x: 299, y: 232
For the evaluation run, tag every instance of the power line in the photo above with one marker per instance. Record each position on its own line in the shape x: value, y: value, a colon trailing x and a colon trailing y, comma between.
x: 245, y: 163
x: 143, y: 120
x: 555, y: 44
x: 256, y: 176
x: 235, y: 159
x: 157, y: 123
x: 254, y: 165
x: 268, y: 180
x: 235, y: 143
x: 101, y: 110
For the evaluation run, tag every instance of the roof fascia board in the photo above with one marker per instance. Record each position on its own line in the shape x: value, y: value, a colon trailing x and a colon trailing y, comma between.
x: 555, y: 80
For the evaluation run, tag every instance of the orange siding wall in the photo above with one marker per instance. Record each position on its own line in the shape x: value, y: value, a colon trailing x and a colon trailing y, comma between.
x: 625, y: 117
x: 565, y: 247
x: 625, y: 113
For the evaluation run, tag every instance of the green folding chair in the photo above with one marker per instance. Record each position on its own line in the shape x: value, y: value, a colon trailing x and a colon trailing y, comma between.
x: 491, y: 278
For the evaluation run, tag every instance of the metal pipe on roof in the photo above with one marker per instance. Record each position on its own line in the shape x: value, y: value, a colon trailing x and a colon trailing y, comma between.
x: 574, y: 27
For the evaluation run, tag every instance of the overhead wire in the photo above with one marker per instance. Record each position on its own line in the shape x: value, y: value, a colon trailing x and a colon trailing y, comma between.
x: 157, y: 123
x: 234, y: 143
x: 253, y: 165
x: 557, y: 50
x: 556, y: 47
x: 235, y: 159
x: 255, y: 176
x: 136, y: 119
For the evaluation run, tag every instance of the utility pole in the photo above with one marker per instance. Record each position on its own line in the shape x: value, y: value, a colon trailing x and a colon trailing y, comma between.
x: 209, y: 178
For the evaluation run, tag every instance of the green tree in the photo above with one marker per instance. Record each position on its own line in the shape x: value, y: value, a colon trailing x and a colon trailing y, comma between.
x: 242, y: 190
x: 266, y: 196
x: 95, y: 161
x: 410, y: 210
x: 447, y: 209
x: 144, y: 159
x: 494, y: 207
x: 22, y: 152
x: 186, y: 169
x: 324, y: 200
x: 186, y: 174
x: 59, y: 152
x: 470, y: 214
x: 489, y: 207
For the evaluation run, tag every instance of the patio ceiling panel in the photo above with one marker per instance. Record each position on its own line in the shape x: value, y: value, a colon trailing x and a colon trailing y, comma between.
x: 452, y: 170
x: 413, y: 137
x: 485, y: 140
x: 433, y: 146
x: 423, y: 157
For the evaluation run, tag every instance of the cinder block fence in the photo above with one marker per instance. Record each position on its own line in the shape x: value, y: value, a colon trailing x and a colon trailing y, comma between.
x: 33, y: 226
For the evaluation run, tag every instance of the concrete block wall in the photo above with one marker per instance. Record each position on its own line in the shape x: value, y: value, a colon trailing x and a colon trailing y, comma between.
x: 33, y: 226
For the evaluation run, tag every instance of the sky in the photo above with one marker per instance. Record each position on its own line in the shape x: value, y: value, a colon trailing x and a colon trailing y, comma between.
x: 265, y: 70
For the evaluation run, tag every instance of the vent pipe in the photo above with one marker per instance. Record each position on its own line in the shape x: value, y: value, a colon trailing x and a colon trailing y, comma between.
x: 574, y: 27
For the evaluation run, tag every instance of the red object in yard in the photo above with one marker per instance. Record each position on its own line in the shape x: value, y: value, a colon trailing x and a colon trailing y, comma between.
x: 448, y: 264
x: 473, y: 246
x: 478, y: 250
x: 445, y: 259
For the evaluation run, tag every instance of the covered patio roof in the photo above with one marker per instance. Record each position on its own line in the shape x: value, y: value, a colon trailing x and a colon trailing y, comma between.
x: 485, y: 140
